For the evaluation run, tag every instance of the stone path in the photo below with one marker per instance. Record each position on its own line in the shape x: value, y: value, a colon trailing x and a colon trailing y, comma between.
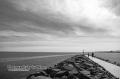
x: 113, y: 69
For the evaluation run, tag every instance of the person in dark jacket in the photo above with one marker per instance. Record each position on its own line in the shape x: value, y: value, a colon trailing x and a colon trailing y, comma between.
x: 92, y: 54
x: 88, y: 54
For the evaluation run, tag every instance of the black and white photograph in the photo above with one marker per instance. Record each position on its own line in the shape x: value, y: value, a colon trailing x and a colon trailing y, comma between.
x: 59, y: 39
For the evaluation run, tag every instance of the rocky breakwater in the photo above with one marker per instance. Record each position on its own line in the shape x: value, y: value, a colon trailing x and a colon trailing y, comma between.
x: 77, y: 67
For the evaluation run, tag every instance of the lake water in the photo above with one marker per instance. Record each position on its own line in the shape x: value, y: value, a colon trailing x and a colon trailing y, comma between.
x: 43, y: 62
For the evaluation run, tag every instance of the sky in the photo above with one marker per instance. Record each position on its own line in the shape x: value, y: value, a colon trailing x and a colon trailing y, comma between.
x: 59, y: 25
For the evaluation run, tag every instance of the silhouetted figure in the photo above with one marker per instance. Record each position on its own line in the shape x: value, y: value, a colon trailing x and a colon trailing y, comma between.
x: 83, y: 52
x: 88, y: 54
x: 92, y: 54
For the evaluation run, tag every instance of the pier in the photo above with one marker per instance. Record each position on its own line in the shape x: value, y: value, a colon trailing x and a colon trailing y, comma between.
x: 113, y: 69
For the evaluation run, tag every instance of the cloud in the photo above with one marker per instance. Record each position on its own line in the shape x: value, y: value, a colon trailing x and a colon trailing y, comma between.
x: 55, y: 17
x: 59, y: 25
x: 18, y: 20
x: 113, y: 6
x: 10, y: 35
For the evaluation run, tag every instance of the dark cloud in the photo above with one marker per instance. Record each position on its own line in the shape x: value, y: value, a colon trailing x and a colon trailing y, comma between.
x: 12, y: 18
x: 88, y: 29
x: 113, y: 6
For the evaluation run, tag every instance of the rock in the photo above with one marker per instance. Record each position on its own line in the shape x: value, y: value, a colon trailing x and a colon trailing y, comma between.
x: 85, y: 72
x: 77, y: 67
x: 41, y: 77
x: 61, y: 73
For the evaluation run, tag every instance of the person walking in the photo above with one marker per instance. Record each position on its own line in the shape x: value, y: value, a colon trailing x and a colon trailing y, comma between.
x: 88, y: 54
x: 92, y: 54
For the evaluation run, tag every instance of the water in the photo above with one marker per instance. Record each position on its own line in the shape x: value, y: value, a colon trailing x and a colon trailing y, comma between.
x: 43, y: 62
x: 29, y: 54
